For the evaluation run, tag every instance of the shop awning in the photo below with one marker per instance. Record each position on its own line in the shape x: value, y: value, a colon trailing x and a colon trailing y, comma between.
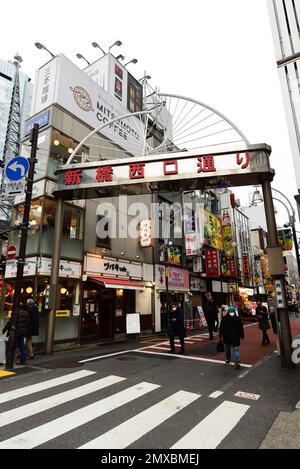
x: 119, y: 283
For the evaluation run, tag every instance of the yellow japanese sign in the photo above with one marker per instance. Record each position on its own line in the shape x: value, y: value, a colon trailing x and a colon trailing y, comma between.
x: 212, y: 231
x: 63, y: 313
x: 228, y: 241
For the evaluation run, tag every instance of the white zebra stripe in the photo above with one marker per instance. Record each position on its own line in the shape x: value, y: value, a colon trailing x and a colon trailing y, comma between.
x: 128, y: 432
x: 51, y: 383
x: 49, y: 402
x: 43, y: 433
x: 209, y: 433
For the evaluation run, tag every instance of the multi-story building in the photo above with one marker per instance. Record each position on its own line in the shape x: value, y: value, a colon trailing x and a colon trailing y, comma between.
x: 285, y: 23
x: 103, y: 278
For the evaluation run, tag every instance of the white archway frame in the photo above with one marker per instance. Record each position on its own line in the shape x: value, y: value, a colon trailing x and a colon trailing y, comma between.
x: 101, y: 127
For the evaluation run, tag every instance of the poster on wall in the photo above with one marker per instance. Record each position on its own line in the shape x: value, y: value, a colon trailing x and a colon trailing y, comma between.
x: 285, y: 239
x: 118, y: 89
x: 212, y: 231
x: 174, y: 255
x: 134, y: 94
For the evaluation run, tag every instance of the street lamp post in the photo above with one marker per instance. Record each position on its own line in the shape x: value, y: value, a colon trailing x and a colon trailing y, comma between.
x: 282, y: 316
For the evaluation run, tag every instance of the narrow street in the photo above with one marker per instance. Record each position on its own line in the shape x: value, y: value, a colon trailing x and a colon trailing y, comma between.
x: 135, y: 395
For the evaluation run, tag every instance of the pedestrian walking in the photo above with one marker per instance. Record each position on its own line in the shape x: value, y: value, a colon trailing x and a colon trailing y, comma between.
x: 21, y: 331
x: 263, y: 321
x: 33, y: 326
x: 211, y: 315
x: 176, y: 327
x: 231, y: 332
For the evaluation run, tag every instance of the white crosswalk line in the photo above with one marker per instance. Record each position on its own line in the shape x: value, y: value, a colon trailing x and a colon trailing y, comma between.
x: 49, y: 402
x: 128, y: 432
x: 27, y: 390
x: 39, y: 435
x: 209, y: 433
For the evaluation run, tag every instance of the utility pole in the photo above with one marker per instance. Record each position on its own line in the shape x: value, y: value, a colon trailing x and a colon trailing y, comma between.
x: 275, y: 257
x: 22, y: 251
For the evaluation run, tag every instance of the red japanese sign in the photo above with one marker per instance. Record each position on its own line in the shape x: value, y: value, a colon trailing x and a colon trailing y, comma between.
x: 212, y: 263
x: 246, y: 268
x: 232, y: 266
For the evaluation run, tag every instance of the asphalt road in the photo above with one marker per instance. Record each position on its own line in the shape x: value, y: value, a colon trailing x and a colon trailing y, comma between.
x: 126, y: 398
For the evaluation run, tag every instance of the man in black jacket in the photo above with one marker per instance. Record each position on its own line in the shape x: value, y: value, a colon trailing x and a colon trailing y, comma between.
x: 176, y: 327
x: 211, y: 316
x: 33, y: 326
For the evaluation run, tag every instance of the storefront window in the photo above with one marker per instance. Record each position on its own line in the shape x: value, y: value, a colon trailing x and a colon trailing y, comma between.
x: 35, y: 218
x: 72, y: 233
x: 60, y: 150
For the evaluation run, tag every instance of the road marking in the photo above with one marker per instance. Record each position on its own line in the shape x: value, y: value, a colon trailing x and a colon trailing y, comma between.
x: 158, y: 348
x: 209, y: 433
x: 6, y: 373
x: 128, y: 432
x: 187, y: 357
x: 49, y: 402
x: 105, y: 356
x: 298, y: 405
x: 216, y: 394
x: 15, y: 394
x: 39, y: 435
x: 247, y: 395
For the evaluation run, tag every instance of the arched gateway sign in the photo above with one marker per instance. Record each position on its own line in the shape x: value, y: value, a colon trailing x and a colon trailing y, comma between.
x: 239, y: 166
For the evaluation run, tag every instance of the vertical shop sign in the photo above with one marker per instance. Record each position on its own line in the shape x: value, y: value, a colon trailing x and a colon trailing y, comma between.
x: 246, y: 268
x: 212, y: 264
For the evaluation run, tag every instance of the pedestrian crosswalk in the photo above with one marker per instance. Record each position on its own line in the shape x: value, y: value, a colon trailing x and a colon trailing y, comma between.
x: 20, y: 421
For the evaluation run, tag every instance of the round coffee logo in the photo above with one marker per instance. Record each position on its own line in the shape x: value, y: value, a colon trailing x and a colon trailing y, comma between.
x: 82, y: 98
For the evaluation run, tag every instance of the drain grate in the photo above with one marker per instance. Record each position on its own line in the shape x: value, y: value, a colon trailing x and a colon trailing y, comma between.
x: 126, y: 359
x: 69, y: 365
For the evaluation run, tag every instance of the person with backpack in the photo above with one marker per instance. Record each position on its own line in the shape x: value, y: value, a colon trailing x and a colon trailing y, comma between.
x: 231, y: 332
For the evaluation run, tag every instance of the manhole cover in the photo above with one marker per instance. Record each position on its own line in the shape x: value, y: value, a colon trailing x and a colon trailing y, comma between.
x: 69, y: 365
x: 126, y: 359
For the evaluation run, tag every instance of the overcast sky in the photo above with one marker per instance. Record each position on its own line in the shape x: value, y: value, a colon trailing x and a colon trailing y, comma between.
x: 219, y: 52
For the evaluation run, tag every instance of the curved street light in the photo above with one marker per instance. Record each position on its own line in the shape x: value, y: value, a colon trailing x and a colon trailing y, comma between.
x: 117, y: 43
x: 80, y: 56
x: 40, y: 46
x: 133, y: 61
x: 96, y: 45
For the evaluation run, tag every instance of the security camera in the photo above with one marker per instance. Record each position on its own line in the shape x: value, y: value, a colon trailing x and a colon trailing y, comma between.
x: 286, y: 225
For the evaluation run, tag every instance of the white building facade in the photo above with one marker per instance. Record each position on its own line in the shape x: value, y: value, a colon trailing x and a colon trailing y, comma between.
x: 285, y: 23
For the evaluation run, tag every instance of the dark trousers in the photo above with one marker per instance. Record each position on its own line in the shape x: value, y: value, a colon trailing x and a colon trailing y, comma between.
x: 21, y: 347
x: 172, y: 343
x: 211, y: 325
x: 265, y: 338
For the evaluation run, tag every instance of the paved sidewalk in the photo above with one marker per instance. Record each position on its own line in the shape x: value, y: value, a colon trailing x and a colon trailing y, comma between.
x: 284, y: 433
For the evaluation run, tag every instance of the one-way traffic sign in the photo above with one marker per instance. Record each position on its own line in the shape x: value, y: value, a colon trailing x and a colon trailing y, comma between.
x: 17, y: 168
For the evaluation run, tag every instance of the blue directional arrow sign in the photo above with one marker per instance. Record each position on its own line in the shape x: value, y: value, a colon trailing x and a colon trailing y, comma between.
x: 17, y: 168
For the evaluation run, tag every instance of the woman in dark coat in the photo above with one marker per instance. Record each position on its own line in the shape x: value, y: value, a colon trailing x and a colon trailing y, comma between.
x: 21, y: 331
x: 263, y: 321
x: 231, y: 331
x: 211, y: 316
x: 176, y: 327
